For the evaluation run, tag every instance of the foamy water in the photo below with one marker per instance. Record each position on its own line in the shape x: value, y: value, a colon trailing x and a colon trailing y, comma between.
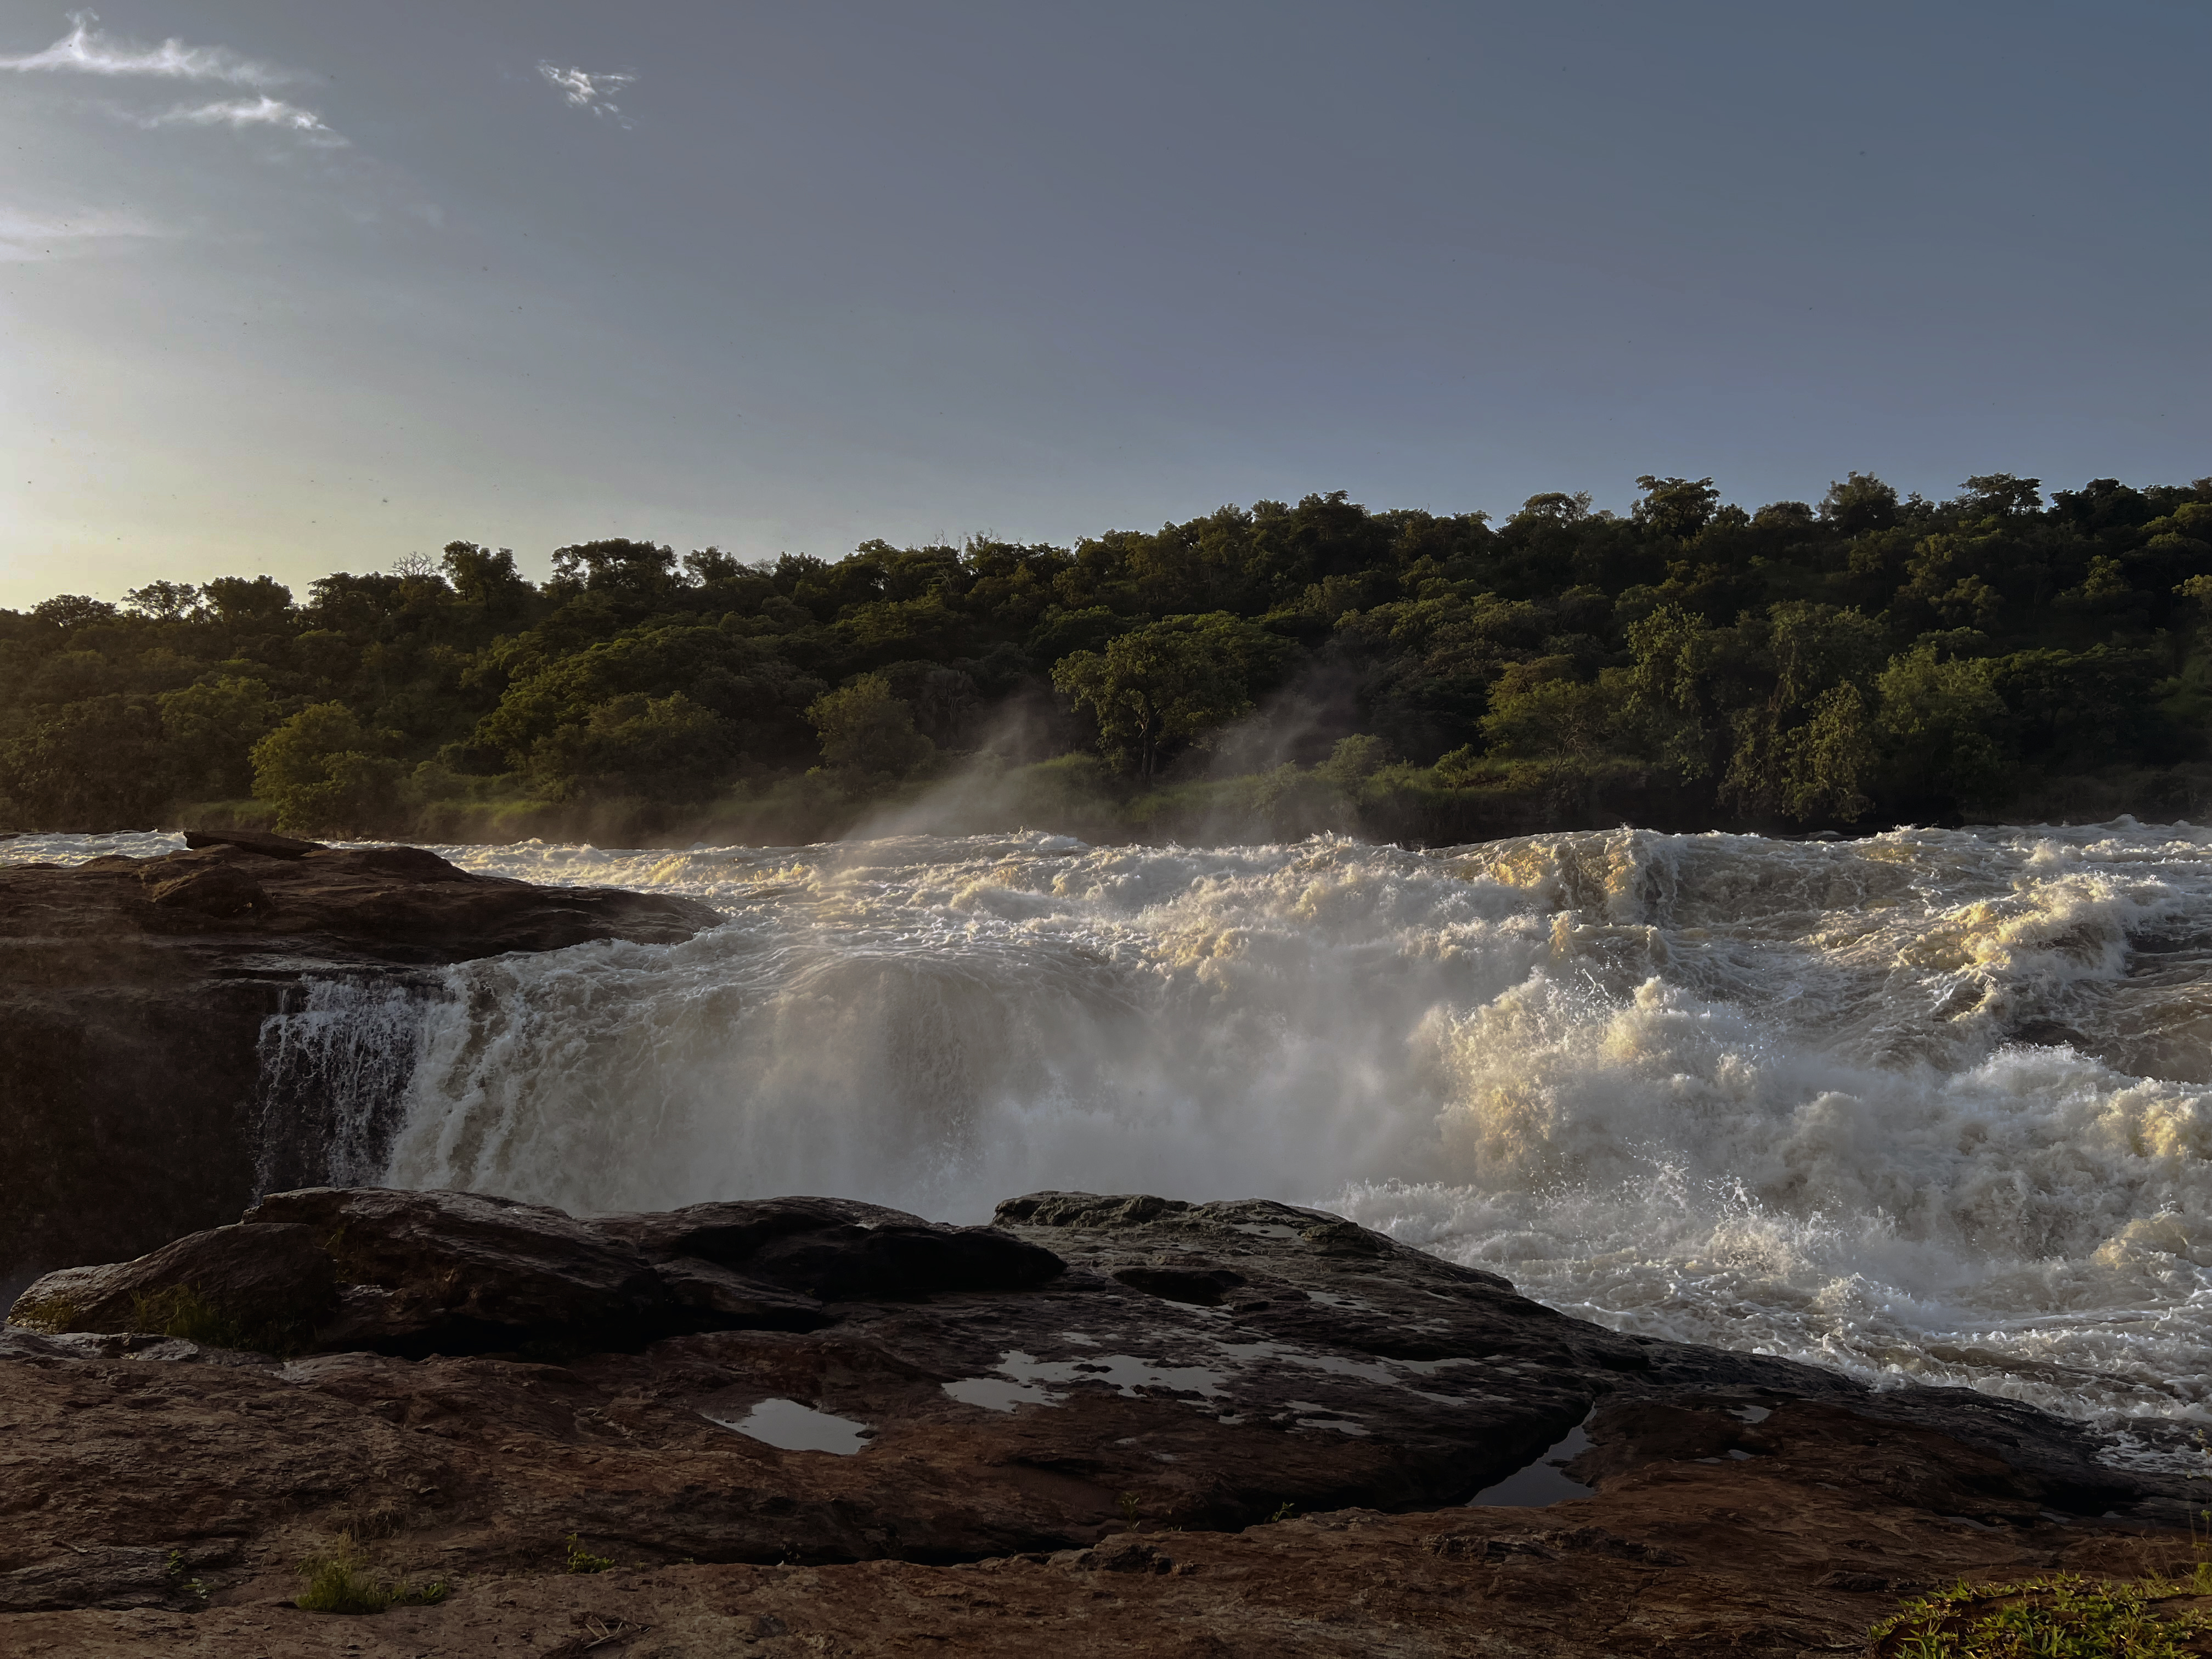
x: 1935, y: 1105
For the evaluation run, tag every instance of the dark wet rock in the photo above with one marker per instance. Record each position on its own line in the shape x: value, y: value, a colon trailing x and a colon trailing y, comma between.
x: 421, y: 1273
x: 836, y: 1249
x: 718, y: 1299
x: 731, y: 1232
x: 895, y: 1261
x: 265, y: 842
x: 270, y: 1285
x: 450, y: 1272
x: 133, y: 993
x: 220, y: 890
x: 1204, y: 1287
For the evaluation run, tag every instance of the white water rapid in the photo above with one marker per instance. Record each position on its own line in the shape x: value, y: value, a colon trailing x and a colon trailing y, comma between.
x: 1935, y: 1105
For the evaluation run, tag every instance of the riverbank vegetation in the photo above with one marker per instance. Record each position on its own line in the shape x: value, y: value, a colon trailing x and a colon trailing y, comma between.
x: 1268, y: 671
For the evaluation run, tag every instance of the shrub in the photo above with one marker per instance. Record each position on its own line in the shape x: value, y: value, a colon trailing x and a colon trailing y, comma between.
x: 2051, y: 1616
x: 338, y: 1582
x: 582, y: 1560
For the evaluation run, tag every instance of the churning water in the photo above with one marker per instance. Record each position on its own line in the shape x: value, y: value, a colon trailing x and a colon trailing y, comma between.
x: 1934, y: 1103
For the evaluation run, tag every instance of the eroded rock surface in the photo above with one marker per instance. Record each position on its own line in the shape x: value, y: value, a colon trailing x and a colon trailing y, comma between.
x: 826, y: 1426
x: 132, y: 994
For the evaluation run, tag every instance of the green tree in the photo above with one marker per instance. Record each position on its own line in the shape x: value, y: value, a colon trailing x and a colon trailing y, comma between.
x: 89, y: 765
x: 1172, y: 681
x: 1536, y: 716
x: 1807, y: 748
x: 1676, y: 653
x: 1676, y: 506
x: 162, y: 601
x: 867, y: 730
x: 208, y: 731
x: 1862, y: 503
x: 486, y: 579
x: 318, y: 770
x: 659, y: 749
x: 242, y: 601
x: 1938, y: 721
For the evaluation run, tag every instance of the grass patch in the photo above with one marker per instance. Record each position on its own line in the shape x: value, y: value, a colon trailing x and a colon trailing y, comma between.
x: 2051, y: 1616
x: 582, y: 1560
x: 338, y: 1581
x: 181, y: 1311
x: 53, y: 1315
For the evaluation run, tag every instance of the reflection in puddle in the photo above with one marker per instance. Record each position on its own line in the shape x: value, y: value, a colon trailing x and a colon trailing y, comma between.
x: 1543, y: 1482
x: 789, y: 1426
x: 996, y: 1394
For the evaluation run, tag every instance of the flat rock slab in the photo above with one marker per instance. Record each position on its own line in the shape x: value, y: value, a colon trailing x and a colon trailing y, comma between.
x: 1722, y: 1562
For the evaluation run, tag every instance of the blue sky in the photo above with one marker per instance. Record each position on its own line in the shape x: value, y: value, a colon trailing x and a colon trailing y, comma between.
x: 294, y: 287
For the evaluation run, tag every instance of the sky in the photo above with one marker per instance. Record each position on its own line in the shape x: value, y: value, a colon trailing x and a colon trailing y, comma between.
x: 290, y: 289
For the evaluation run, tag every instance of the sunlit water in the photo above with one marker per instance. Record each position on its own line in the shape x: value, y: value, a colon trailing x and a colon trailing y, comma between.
x: 1935, y: 1105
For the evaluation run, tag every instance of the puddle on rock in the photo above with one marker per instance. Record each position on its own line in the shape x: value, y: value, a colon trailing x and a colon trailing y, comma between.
x: 1544, y: 1482
x: 789, y: 1426
x: 997, y: 1394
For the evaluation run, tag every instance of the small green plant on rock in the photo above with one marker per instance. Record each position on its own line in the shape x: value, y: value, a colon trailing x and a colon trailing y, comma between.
x: 181, y: 1311
x: 2051, y: 1616
x: 178, y: 1574
x: 54, y: 1315
x: 582, y: 1560
x: 339, y: 1582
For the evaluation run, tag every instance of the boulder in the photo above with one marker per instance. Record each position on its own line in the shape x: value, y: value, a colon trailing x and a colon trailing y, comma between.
x: 233, y: 1287
x: 263, y: 841
x: 448, y: 1272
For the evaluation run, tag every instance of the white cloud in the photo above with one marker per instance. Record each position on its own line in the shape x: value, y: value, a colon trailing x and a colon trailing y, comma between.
x: 239, y: 113
x: 88, y: 50
x: 584, y: 90
x: 28, y: 237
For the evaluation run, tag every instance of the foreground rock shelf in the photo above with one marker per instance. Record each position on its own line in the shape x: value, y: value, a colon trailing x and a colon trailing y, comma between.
x: 132, y: 996
x: 1102, y: 1425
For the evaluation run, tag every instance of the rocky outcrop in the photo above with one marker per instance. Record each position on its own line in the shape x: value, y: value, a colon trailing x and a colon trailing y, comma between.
x: 328, y: 1269
x: 1120, y: 1424
x: 132, y: 995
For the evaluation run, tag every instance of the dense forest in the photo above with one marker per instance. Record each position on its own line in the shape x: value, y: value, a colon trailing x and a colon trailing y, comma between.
x: 1275, y: 670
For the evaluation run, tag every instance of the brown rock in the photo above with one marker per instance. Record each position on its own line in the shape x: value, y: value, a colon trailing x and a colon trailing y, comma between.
x: 267, y: 1286
x: 1008, y: 1471
x: 460, y: 1270
x: 132, y: 996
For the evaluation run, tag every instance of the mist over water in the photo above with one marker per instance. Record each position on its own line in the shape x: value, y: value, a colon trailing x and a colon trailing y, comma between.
x: 1934, y: 1105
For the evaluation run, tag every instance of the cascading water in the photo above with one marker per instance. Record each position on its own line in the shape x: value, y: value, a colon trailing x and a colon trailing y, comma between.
x: 1935, y: 1105
x: 334, y: 1079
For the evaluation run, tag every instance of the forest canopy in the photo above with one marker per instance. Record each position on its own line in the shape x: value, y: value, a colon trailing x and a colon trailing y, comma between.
x: 1866, y: 659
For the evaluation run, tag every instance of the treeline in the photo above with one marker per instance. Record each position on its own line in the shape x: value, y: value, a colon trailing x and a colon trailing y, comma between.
x: 1275, y: 670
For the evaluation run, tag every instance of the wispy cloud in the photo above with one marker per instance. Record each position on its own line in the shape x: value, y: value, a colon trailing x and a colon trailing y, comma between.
x: 26, y: 237
x: 584, y: 90
x: 241, y: 113
x: 88, y: 50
